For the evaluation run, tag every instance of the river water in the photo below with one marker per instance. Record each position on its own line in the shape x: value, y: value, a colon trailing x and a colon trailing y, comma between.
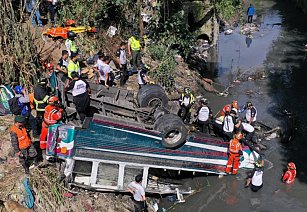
x: 277, y: 49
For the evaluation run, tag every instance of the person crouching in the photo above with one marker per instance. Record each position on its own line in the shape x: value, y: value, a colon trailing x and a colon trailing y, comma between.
x: 290, y: 174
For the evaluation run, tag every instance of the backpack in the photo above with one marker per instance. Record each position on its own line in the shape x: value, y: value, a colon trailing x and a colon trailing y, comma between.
x: 14, y: 106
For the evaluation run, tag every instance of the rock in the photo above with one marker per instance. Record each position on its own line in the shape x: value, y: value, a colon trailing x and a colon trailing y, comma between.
x: 15, y: 206
x: 3, y: 128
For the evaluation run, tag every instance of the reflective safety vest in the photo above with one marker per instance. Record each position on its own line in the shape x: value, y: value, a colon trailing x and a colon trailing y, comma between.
x: 39, y: 103
x: 73, y: 66
x: 134, y: 44
x: 24, y: 140
x: 289, y: 176
x: 52, y: 115
x: 191, y: 98
x: 72, y: 46
x: 234, y: 146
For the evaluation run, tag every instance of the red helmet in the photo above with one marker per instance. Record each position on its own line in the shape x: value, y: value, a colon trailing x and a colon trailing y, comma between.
x: 234, y: 104
x: 49, y: 66
x: 227, y: 108
x: 239, y: 136
x: 53, y: 100
x: 291, y: 165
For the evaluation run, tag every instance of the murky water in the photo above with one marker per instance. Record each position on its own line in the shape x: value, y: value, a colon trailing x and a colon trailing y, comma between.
x: 278, y: 49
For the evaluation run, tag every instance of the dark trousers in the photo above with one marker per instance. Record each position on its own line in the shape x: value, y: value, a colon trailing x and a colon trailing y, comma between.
x: 204, y: 126
x: 256, y: 188
x: 123, y: 74
x: 136, y: 59
x: 140, y: 206
x: 250, y: 19
x: 82, y: 106
x: 39, y: 121
x: 185, y: 113
x: 26, y: 156
x: 52, y: 11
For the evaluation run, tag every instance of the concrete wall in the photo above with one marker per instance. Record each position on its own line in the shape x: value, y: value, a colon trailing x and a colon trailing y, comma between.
x: 204, y: 19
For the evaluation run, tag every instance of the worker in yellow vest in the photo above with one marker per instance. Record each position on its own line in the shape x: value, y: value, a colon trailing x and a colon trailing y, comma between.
x: 73, y: 65
x: 70, y: 43
x: 134, y: 49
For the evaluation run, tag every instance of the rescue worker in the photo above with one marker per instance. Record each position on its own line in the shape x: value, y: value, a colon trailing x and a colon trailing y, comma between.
x: 138, y: 192
x: 70, y: 43
x: 234, y: 153
x: 80, y: 91
x: 218, y: 126
x: 134, y: 50
x: 254, y: 178
x: 186, y: 101
x: 248, y: 129
x: 251, y: 113
x: 289, y: 176
x: 21, y: 142
x: 234, y: 104
x: 73, y: 65
x: 53, y: 115
x: 41, y: 96
x: 204, y: 116
x: 229, y: 124
x: 121, y: 58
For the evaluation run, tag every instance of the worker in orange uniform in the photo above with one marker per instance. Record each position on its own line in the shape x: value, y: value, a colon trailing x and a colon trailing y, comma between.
x: 289, y: 176
x: 234, y: 151
x: 21, y: 142
x: 227, y: 107
x: 53, y: 114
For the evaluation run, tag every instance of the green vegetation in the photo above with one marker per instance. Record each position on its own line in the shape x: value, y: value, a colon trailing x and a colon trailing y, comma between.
x: 17, y: 50
x: 226, y: 8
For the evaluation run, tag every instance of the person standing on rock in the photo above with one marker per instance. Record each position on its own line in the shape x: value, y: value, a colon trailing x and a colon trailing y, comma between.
x: 134, y: 49
x: 80, y: 91
x: 250, y: 13
x: 70, y: 43
x: 204, y: 115
x: 121, y: 58
x: 73, y: 65
x: 41, y: 96
x: 21, y: 142
x: 186, y: 101
x: 138, y: 192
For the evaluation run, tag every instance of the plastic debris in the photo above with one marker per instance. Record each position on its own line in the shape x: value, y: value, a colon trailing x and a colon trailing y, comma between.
x: 68, y: 195
x: 111, y: 31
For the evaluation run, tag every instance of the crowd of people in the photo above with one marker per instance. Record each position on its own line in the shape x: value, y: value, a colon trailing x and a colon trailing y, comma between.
x: 49, y: 95
x: 237, y: 131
